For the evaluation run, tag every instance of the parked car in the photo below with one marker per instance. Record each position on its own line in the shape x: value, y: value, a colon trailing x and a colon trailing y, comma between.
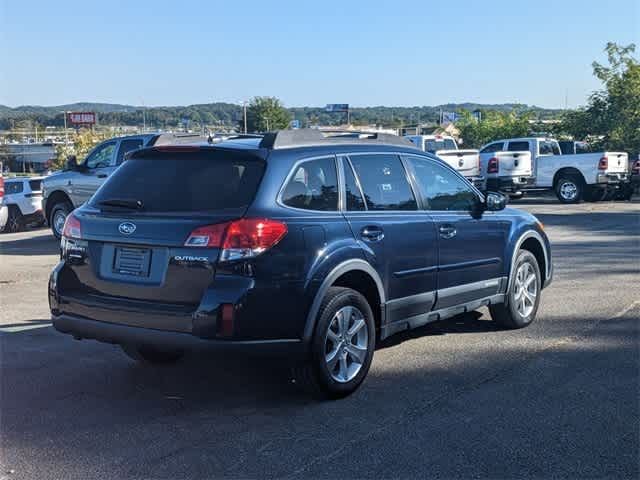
x: 70, y: 188
x: 635, y: 174
x: 573, y: 177
x: 314, y: 246
x: 467, y: 161
x: 21, y: 201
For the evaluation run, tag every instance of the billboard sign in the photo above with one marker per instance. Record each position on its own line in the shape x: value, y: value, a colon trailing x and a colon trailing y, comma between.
x: 449, y: 117
x: 81, y: 118
x: 337, y: 107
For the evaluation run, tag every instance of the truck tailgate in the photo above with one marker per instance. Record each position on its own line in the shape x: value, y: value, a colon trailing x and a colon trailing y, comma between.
x: 467, y: 162
x: 618, y: 162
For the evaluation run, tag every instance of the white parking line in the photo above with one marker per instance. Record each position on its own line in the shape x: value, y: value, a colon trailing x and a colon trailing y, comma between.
x: 22, y: 328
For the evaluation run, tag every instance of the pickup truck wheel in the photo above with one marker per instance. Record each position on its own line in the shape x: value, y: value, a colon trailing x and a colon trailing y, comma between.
x: 15, y: 221
x: 523, y: 297
x: 151, y: 356
x: 341, y: 348
x: 59, y: 214
x: 569, y: 189
x: 516, y: 196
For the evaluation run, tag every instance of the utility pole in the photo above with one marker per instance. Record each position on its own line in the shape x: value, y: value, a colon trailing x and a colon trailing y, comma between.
x: 144, y: 119
x: 267, y: 119
x: 244, y: 108
x: 66, y: 136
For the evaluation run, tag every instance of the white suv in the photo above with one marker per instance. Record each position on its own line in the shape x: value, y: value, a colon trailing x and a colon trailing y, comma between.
x: 21, y: 203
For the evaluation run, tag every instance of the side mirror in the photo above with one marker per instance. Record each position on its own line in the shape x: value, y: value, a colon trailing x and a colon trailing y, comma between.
x: 495, y: 201
x: 72, y: 162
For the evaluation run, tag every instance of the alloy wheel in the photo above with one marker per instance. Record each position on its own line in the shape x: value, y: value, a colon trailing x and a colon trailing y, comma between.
x: 525, y: 289
x: 568, y: 190
x: 346, y: 344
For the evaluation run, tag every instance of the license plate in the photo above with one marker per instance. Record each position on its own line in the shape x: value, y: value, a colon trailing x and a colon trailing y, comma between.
x: 132, y: 261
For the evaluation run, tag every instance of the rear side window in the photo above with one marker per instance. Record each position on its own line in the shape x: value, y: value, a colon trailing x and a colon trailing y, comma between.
x: 35, y: 185
x: 355, y: 202
x: 185, y: 181
x: 13, y: 187
x: 493, y: 147
x: 384, y: 182
x: 313, y: 186
x: 549, y: 148
x: 518, y: 147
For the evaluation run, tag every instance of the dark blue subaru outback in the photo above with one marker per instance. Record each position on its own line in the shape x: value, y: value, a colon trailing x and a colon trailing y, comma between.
x: 309, y: 243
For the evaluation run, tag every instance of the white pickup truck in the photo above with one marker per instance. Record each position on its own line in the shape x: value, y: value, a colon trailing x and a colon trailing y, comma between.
x: 467, y: 162
x: 535, y: 163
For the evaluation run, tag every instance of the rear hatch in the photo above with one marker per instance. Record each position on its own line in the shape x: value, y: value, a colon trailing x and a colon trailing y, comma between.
x: 465, y: 161
x: 135, y: 227
x: 617, y: 162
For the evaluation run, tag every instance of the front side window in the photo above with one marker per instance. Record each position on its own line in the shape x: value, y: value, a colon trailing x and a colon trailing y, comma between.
x: 313, y: 186
x: 442, y: 188
x: 127, y: 146
x: 384, y: 182
x: 492, y: 147
x: 102, y: 156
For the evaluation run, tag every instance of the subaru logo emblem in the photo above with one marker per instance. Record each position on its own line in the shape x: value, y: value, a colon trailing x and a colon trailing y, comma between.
x: 127, y: 228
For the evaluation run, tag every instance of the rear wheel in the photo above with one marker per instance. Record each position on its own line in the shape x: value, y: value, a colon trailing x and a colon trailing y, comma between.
x: 516, y: 195
x: 15, y: 221
x: 150, y: 355
x: 58, y: 216
x: 523, y: 297
x: 341, y: 348
x: 569, y: 189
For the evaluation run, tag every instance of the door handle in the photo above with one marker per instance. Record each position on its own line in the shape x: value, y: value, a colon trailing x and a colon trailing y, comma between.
x: 102, y: 175
x: 447, y: 231
x: 372, y: 233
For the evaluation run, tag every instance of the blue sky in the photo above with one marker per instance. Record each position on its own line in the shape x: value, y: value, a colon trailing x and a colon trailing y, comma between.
x: 307, y: 52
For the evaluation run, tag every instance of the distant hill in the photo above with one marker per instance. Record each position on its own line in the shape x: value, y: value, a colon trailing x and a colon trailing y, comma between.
x: 230, y: 114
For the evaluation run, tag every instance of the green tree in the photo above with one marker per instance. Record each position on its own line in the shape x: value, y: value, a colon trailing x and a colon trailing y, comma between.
x: 611, y: 119
x: 267, y: 114
x: 493, y: 126
x: 83, y: 141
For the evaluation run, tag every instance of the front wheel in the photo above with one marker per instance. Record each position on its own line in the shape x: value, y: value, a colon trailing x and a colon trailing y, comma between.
x: 523, y: 297
x: 341, y: 348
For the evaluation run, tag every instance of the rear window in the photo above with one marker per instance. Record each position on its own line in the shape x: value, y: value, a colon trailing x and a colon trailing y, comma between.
x: 432, y: 146
x: 13, y: 187
x: 185, y: 181
x: 518, y: 147
x: 36, y: 185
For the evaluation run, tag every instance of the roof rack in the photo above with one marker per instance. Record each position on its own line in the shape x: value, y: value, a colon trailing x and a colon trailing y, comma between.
x: 223, y: 137
x: 307, y: 137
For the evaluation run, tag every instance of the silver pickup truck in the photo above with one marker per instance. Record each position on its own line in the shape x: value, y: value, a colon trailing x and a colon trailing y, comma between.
x: 67, y: 189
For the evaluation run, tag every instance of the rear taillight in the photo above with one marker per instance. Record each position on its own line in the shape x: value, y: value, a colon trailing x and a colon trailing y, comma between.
x: 636, y: 167
x: 72, y: 227
x: 603, y: 164
x: 493, y: 166
x: 239, y: 239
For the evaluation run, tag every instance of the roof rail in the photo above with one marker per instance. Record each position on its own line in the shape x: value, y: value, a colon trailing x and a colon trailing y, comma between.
x: 222, y: 137
x: 307, y: 137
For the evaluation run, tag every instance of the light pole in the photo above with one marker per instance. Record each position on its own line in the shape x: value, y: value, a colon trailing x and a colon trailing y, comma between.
x: 66, y: 136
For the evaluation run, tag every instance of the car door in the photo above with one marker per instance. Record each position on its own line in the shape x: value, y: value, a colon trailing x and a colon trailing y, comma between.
x: 470, y: 246
x: 397, y: 238
x: 98, y: 165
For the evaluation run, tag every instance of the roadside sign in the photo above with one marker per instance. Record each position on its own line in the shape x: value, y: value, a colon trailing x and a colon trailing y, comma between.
x: 81, y: 118
x: 295, y: 123
x: 337, y: 107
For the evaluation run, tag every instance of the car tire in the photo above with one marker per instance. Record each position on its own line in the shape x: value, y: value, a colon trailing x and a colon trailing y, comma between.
x: 569, y: 189
x: 523, y: 296
x: 151, y: 356
x: 58, y: 215
x: 516, y: 196
x: 15, y: 220
x: 341, y: 348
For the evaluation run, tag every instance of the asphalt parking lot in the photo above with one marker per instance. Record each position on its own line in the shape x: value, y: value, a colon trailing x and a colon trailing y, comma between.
x: 454, y: 399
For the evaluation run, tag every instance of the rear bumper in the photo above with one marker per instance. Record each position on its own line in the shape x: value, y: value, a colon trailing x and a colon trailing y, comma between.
x: 612, y: 178
x: 509, y: 184
x: 84, y: 328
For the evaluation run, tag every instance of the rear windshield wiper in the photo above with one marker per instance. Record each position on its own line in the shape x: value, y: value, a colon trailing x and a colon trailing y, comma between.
x: 129, y: 203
